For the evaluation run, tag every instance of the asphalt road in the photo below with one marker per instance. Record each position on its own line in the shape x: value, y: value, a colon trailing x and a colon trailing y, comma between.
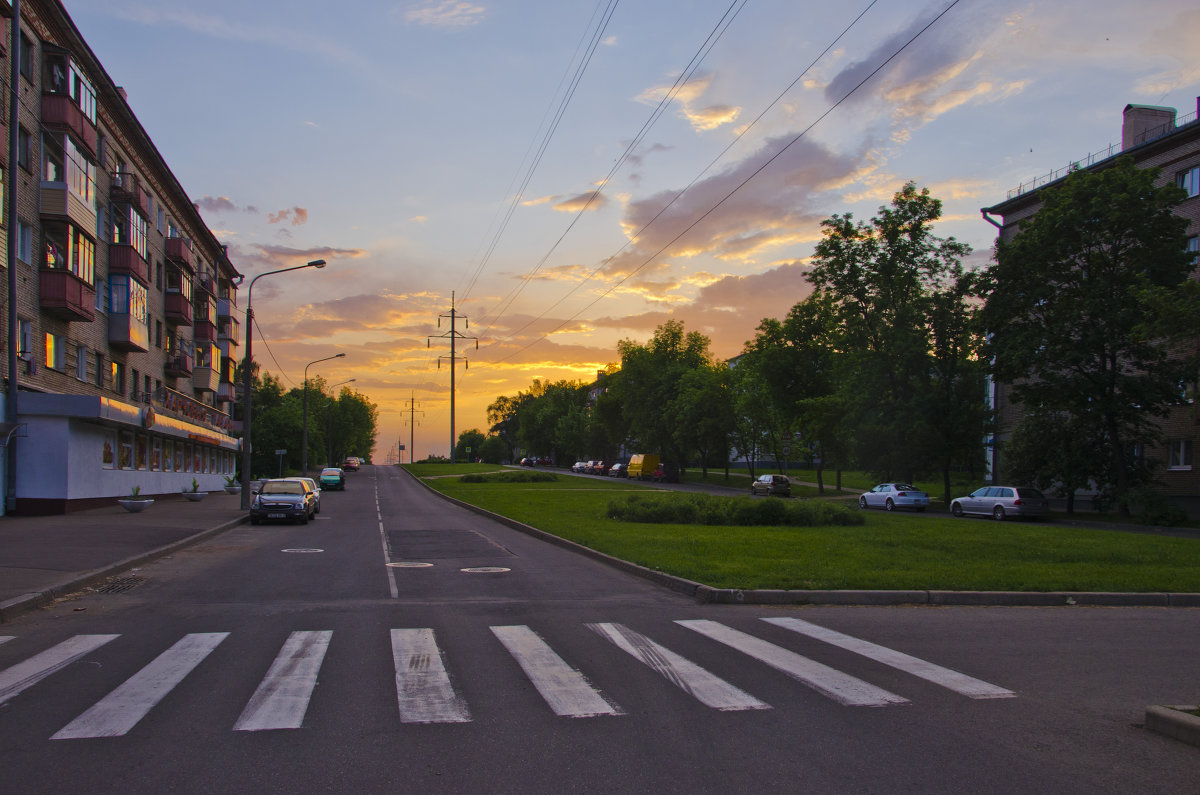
x: 292, y: 658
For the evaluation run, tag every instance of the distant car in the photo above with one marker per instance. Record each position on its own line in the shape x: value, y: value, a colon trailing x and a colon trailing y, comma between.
x: 526, y: 462
x: 771, y: 485
x: 578, y: 466
x: 891, y: 496
x: 333, y: 478
x: 601, y: 467
x: 543, y: 461
x: 1000, y: 502
x: 617, y: 471
x: 350, y: 464
x: 665, y: 473
x: 285, y: 499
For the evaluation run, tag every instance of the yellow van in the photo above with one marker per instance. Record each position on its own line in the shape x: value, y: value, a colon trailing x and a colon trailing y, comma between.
x: 642, y: 466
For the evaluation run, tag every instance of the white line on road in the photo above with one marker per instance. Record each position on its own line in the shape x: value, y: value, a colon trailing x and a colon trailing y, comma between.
x: 283, y: 695
x: 387, y: 553
x: 119, y: 711
x: 22, y: 675
x: 843, y: 688
x: 566, y: 690
x: 958, y: 682
x: 710, y: 690
x: 422, y: 685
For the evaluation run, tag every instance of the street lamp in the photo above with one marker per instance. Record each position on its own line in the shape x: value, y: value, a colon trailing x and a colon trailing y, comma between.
x: 329, y: 423
x: 304, y: 435
x: 247, y: 379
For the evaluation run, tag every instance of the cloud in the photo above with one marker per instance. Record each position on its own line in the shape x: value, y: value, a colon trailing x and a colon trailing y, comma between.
x: 220, y: 204
x: 592, y: 200
x: 445, y: 14
x: 688, y: 95
x: 297, y: 216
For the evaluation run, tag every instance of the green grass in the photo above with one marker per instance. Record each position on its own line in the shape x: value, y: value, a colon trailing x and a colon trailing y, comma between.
x: 898, y: 551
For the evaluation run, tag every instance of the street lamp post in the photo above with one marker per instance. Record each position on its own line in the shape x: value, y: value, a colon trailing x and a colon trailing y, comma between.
x: 247, y: 377
x: 304, y: 434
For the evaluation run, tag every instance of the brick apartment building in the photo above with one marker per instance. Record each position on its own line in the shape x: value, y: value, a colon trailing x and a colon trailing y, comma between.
x: 125, y: 302
x: 1155, y: 137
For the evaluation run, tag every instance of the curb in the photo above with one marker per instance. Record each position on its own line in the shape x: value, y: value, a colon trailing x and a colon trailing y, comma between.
x: 706, y: 594
x: 29, y: 602
x: 1173, y: 722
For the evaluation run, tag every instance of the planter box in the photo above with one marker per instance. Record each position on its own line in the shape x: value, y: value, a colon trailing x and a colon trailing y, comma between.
x: 134, y: 506
x: 195, y: 496
x: 1177, y: 722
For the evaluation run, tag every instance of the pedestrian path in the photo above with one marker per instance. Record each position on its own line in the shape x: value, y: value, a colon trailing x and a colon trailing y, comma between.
x: 426, y: 693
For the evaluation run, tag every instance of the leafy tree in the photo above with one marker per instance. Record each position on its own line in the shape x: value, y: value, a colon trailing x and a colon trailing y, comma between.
x: 494, y: 450
x: 1055, y: 452
x: 469, y: 445
x: 1089, y: 308
x: 756, y: 422
x: 703, y: 413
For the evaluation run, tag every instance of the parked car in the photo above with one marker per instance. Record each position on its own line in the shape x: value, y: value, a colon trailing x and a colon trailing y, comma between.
x: 1000, y: 502
x: 601, y: 467
x: 578, y: 466
x: 526, y: 462
x: 332, y: 478
x: 891, y: 496
x: 617, y: 470
x: 642, y: 466
x: 286, y: 499
x: 771, y: 485
x: 665, y: 473
x: 312, y: 484
x: 350, y: 464
x: 543, y: 461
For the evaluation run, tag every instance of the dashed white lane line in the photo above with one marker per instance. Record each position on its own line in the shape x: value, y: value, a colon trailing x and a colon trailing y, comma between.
x: 566, y: 690
x: 387, y: 553
x: 283, y: 695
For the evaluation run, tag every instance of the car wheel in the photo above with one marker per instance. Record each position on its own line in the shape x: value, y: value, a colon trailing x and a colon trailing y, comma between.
x: 862, y: 503
x: 998, y: 513
x: 889, y: 506
x: 304, y: 518
x: 957, y: 510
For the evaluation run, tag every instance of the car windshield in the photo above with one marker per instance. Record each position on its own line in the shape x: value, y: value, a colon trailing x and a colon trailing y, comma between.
x: 905, y: 487
x: 282, y: 487
x: 330, y: 473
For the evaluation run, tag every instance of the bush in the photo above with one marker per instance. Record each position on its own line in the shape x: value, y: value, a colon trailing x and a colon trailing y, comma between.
x: 1158, y: 509
x: 511, y: 477
x: 704, y: 509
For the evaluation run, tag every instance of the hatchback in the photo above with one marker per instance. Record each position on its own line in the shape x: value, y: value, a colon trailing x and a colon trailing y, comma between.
x: 777, y: 485
x: 333, y: 478
x: 891, y: 496
x: 1000, y: 502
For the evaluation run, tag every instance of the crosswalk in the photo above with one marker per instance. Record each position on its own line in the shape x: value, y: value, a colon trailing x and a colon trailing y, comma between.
x: 426, y: 694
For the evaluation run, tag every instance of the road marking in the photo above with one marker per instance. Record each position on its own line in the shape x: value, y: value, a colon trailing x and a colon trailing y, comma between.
x: 958, y: 682
x: 710, y: 690
x: 6, y: 638
x: 283, y: 695
x: 22, y: 675
x: 119, y: 711
x: 422, y: 685
x: 566, y: 690
x: 843, y: 688
x: 387, y: 553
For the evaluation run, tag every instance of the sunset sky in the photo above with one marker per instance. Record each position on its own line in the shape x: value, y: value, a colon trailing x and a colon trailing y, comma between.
x: 579, y: 172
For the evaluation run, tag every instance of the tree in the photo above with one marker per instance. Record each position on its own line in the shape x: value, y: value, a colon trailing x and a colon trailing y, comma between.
x: 1054, y: 452
x: 703, y: 413
x: 469, y: 445
x: 1091, y: 313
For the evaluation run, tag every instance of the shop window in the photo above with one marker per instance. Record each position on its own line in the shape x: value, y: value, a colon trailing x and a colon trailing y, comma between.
x: 141, y: 451
x: 168, y: 453
x: 108, y: 453
x: 179, y: 457
x: 156, y: 445
x: 125, y: 451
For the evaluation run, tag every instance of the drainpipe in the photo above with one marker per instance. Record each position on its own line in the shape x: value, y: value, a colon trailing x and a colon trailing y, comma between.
x: 10, y: 400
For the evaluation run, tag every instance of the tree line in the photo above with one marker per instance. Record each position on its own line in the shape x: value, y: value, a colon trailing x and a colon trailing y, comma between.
x: 1089, y: 312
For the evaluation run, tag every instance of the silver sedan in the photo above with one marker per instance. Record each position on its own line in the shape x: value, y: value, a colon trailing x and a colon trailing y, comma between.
x: 891, y: 496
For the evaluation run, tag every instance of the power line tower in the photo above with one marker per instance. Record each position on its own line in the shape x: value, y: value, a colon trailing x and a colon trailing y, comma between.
x: 453, y: 335
x: 412, y: 423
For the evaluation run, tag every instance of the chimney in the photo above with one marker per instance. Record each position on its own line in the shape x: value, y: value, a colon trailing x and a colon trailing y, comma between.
x: 121, y: 91
x: 1144, y: 122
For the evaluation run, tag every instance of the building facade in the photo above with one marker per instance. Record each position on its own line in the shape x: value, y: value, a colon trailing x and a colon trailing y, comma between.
x: 1155, y: 137
x: 125, y: 303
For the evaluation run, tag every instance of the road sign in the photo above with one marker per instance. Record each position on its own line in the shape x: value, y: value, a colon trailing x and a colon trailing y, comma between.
x: 281, y: 452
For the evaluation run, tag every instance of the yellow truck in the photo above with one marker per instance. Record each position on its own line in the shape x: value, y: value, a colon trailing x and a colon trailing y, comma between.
x: 642, y: 466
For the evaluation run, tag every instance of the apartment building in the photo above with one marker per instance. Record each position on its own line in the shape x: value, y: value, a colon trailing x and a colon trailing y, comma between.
x: 125, y: 303
x: 1155, y: 137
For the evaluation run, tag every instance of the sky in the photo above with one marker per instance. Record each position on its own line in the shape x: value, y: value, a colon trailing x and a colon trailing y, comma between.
x: 567, y: 174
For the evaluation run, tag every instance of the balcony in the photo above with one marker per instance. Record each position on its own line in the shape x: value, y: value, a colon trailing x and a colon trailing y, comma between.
x: 207, y: 283
x: 204, y: 331
x: 204, y: 378
x: 127, y: 188
x: 123, y: 258
x: 228, y: 329
x: 60, y: 112
x: 226, y: 392
x: 178, y: 309
x: 63, y: 295
x: 179, y: 251
x: 179, y: 365
x: 126, y: 333
x: 60, y: 203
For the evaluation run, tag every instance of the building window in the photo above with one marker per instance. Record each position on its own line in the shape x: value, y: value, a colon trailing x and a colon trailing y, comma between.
x: 24, y: 242
x: 56, y: 352
x: 158, y: 275
x: 68, y: 248
x: 129, y: 228
x: 158, y: 334
x: 168, y: 455
x: 156, y: 454
x: 108, y: 455
x: 99, y: 369
x: 24, y: 148
x: 141, y: 451
x: 127, y: 296
x: 125, y: 451
x: 81, y: 361
x: 160, y: 220
x: 1189, y: 180
x: 25, y: 58
x: 1179, y: 454
x: 1193, y: 248
x: 24, y: 339
x: 118, y: 377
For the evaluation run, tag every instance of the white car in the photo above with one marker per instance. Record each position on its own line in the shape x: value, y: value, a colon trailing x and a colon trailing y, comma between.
x: 891, y: 496
x: 316, y: 489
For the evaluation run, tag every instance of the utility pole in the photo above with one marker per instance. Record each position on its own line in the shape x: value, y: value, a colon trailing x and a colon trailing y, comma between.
x: 412, y: 422
x: 453, y: 336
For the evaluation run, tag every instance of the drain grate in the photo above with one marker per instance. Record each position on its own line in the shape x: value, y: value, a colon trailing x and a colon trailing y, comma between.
x: 121, y: 584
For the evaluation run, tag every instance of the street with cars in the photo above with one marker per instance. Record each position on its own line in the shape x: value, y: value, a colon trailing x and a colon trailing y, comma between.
x: 396, y: 640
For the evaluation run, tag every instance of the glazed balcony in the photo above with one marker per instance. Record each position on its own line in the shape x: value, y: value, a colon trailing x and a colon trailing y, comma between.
x: 60, y: 203
x: 127, y: 333
x: 63, y: 295
x: 204, y: 378
x: 179, y: 251
x: 127, y: 189
x: 123, y: 258
x: 179, y: 365
x: 61, y: 112
x: 178, y: 309
x: 228, y: 328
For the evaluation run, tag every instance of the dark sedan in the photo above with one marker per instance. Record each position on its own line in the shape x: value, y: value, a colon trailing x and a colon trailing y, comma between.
x: 286, y: 500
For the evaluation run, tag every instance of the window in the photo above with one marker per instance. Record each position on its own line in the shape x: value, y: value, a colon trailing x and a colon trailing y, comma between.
x: 24, y: 338
x: 1179, y: 454
x: 179, y: 282
x: 61, y: 75
x: 1189, y: 180
x: 1193, y: 248
x: 125, y: 450
x: 156, y: 454
x: 102, y: 296
x: 128, y: 297
x: 99, y: 368
x: 158, y: 334
x: 81, y: 361
x: 118, y: 378
x: 168, y: 455
x: 129, y: 228
x: 133, y: 383
x: 25, y: 58
x: 160, y: 220
x: 55, y: 351
x: 24, y: 148
x: 3, y: 210
x: 141, y: 451
x: 81, y: 172
x: 25, y: 242
x: 108, y: 455
x: 68, y: 248
x: 158, y: 275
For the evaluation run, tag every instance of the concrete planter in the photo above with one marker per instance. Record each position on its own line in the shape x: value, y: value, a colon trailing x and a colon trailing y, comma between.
x: 235, y: 489
x: 135, y: 505
x: 195, y: 496
x: 1176, y: 721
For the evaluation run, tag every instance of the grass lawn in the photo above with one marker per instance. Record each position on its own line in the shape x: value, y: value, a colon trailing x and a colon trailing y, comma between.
x: 897, y: 551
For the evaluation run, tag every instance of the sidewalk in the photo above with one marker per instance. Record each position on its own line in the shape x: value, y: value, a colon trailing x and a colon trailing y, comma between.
x: 46, y: 557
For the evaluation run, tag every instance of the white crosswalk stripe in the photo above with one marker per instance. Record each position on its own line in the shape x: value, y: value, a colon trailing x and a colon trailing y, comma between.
x: 15, y: 679
x: 119, y: 711
x: 6, y: 638
x: 566, y: 690
x: 710, y: 690
x: 958, y: 682
x: 283, y: 695
x: 843, y: 688
x: 422, y: 683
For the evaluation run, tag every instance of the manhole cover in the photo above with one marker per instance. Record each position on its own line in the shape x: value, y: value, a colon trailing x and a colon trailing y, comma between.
x: 485, y: 569
x: 409, y: 564
x: 120, y: 584
x: 302, y: 550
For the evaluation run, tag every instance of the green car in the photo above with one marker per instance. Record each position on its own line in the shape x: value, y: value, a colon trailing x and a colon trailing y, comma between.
x: 333, y: 478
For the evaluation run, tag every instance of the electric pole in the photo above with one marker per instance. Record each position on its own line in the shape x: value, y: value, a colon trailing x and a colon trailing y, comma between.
x: 412, y: 422
x: 453, y: 335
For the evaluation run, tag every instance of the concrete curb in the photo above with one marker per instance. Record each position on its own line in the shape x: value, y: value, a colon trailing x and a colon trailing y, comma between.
x: 29, y: 602
x: 1173, y: 722
x: 736, y: 596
